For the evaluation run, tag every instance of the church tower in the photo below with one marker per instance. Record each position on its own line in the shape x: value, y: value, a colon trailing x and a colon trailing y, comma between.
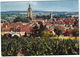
x: 51, y: 16
x: 29, y: 12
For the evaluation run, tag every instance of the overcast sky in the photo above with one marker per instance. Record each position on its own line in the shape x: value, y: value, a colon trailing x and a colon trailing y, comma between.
x: 70, y: 6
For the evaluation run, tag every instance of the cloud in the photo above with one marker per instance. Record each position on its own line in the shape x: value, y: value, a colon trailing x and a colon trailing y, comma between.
x: 33, y: 3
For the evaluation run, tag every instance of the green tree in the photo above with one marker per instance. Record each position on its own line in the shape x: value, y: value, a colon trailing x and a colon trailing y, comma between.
x: 4, y: 36
x: 15, y: 36
x: 56, y: 16
x: 75, y: 32
x: 58, y: 30
x: 20, y: 19
x: 45, y: 34
x: 25, y: 35
x: 10, y: 35
x: 39, y: 22
x: 35, y: 31
x: 43, y: 16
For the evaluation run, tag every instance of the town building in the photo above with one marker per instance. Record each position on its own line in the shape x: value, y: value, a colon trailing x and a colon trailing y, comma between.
x: 20, y: 28
x: 30, y: 12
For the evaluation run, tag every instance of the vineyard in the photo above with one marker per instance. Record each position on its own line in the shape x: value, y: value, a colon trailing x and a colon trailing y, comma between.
x: 39, y: 46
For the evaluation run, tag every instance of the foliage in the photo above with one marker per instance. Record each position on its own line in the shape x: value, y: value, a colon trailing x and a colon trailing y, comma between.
x: 36, y: 31
x: 25, y: 35
x: 43, y: 16
x: 39, y: 46
x: 10, y: 46
x: 4, y: 36
x: 45, y: 34
x: 10, y: 35
x: 75, y: 32
x: 56, y: 16
x: 15, y: 36
x: 58, y: 30
x: 20, y: 19
x: 39, y: 22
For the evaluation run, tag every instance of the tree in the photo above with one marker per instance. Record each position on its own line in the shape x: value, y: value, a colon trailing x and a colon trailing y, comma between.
x: 25, y: 35
x: 45, y: 34
x: 58, y: 30
x: 43, y: 16
x: 42, y: 28
x: 10, y: 35
x: 56, y: 16
x: 75, y: 32
x: 36, y: 31
x: 3, y: 16
x: 15, y: 36
x: 4, y: 36
x: 39, y: 22
x: 38, y: 16
x: 20, y: 19
x: 70, y: 16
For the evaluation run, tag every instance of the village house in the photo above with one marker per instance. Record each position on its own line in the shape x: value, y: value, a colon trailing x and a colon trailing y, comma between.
x: 20, y: 28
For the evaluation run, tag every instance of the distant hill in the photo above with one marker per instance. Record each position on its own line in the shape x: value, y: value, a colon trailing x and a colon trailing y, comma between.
x: 11, y: 15
x: 13, y: 12
x: 42, y: 12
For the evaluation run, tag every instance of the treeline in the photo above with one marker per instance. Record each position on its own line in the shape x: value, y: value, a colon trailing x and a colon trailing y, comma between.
x: 54, y: 16
x: 44, y: 16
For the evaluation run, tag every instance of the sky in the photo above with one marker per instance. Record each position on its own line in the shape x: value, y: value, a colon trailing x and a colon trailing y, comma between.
x: 69, y: 6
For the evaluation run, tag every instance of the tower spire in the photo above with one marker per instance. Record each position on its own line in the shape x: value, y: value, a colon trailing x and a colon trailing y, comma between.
x: 29, y: 5
x: 51, y: 15
x: 29, y: 11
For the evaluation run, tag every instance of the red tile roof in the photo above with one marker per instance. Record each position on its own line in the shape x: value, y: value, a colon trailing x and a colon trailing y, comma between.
x: 6, y: 29
x: 39, y: 19
x: 76, y: 28
x: 27, y: 29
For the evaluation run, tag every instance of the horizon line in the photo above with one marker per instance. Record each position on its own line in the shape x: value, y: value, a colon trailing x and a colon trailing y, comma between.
x: 41, y: 10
